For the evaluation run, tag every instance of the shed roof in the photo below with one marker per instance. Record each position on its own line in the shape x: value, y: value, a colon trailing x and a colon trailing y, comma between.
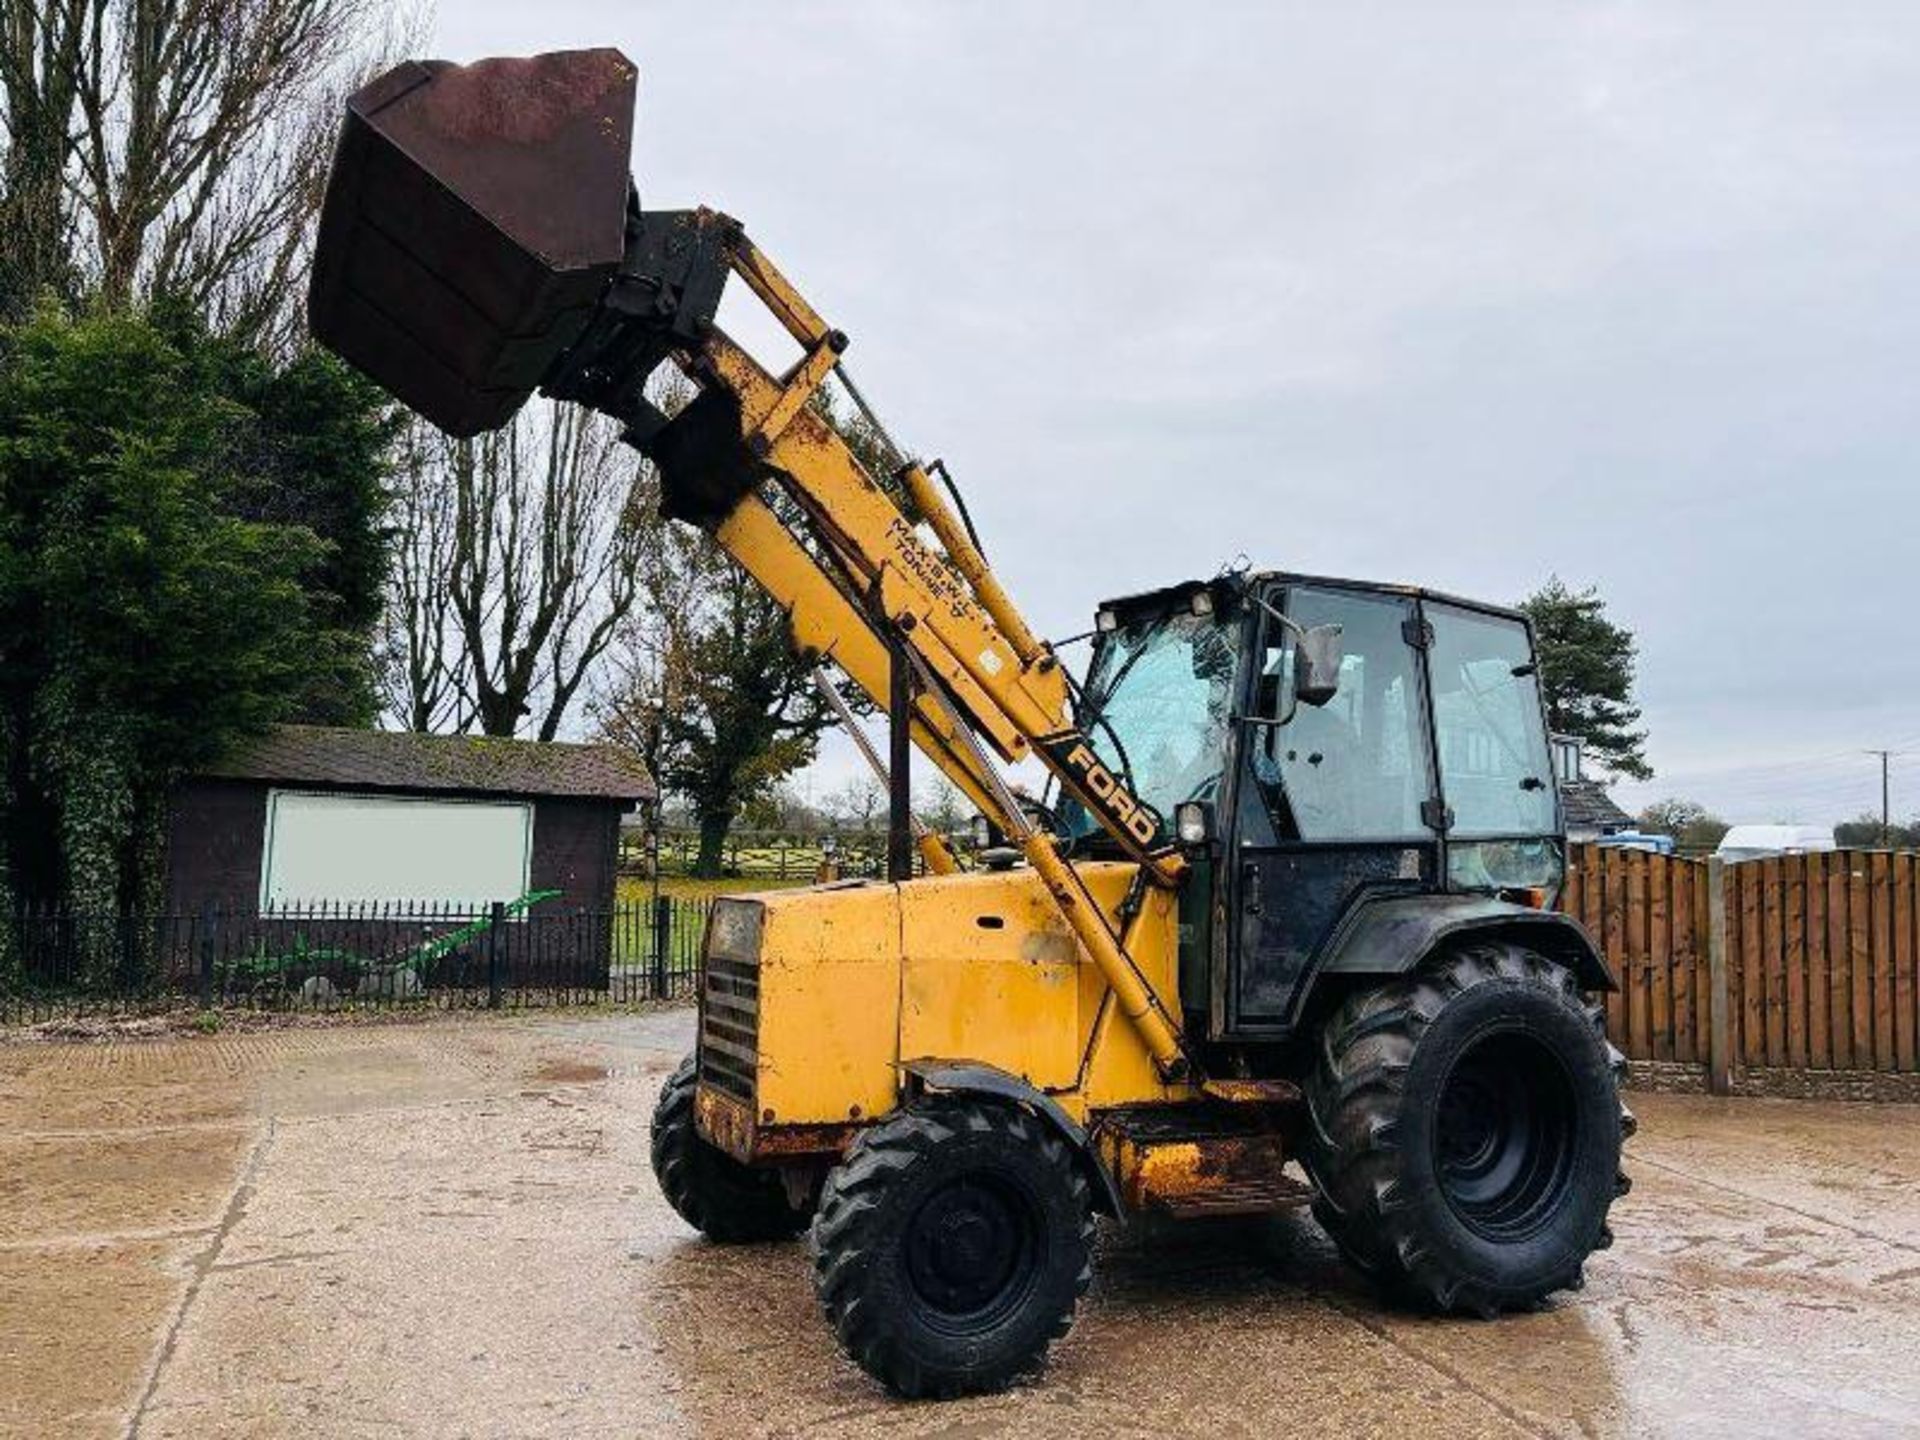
x: 1585, y: 805
x: 401, y: 760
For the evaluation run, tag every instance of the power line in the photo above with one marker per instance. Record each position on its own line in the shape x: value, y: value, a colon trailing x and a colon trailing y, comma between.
x: 1886, y: 792
x: 1827, y: 782
x: 1823, y: 760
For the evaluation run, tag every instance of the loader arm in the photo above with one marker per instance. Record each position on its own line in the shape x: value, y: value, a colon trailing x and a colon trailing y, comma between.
x: 471, y: 251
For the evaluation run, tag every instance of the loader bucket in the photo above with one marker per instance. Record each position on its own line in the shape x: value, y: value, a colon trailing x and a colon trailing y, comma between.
x: 472, y: 219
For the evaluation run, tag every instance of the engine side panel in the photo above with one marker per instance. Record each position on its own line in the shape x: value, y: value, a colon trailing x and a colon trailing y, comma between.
x: 852, y: 981
x: 829, y: 1005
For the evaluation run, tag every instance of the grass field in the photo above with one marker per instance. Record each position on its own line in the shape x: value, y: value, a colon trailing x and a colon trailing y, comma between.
x: 633, y: 941
x: 635, y: 889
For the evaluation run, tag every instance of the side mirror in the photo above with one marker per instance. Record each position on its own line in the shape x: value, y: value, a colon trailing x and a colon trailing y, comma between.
x: 1317, y: 653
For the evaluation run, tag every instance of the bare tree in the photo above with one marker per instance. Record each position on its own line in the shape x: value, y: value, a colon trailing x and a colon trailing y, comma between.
x: 856, y: 804
x: 422, y: 667
x: 515, y: 562
x: 941, y: 805
x: 710, y: 693
x: 178, y: 148
x: 40, y: 49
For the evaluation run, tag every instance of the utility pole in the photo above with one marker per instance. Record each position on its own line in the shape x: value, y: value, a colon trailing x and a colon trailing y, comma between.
x: 1886, y: 795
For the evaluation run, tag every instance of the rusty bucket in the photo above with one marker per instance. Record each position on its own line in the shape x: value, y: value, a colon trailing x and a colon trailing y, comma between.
x: 473, y: 217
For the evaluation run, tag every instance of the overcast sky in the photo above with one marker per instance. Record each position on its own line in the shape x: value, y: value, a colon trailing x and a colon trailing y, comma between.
x: 1448, y: 294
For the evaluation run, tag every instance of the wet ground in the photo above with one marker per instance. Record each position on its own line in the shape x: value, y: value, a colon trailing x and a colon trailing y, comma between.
x: 451, y: 1229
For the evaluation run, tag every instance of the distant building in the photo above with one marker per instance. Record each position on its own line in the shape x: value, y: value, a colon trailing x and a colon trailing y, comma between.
x: 1589, y: 812
x: 313, y: 816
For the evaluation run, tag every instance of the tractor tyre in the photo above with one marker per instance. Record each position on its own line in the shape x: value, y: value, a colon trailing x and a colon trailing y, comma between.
x: 1465, y: 1129
x: 951, y: 1246
x: 710, y: 1190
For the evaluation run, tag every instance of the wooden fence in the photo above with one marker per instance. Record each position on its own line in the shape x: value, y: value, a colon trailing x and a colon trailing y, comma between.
x: 1804, y: 962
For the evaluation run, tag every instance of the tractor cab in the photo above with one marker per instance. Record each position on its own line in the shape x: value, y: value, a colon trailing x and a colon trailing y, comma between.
x: 1316, y: 747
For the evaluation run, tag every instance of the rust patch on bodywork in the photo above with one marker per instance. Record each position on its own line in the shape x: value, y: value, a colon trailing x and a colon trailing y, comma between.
x: 1188, y: 1161
x: 729, y: 1125
x: 723, y: 1122
x: 1253, y: 1092
x: 525, y: 101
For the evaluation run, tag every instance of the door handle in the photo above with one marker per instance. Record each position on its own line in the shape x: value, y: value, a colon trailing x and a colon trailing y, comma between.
x: 1250, y: 888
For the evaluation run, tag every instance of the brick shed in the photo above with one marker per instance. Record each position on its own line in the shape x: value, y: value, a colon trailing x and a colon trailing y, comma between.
x: 313, y: 816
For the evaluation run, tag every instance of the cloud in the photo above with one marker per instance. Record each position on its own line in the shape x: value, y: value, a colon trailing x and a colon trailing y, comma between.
x: 1462, y: 295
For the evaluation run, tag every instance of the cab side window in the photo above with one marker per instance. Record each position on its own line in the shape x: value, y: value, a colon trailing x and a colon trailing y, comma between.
x: 1488, y: 727
x: 1357, y: 767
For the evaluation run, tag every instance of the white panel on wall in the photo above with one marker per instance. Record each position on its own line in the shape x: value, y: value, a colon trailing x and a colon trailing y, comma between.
x: 360, y: 849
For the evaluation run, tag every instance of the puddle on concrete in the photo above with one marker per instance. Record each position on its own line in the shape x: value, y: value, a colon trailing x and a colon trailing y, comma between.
x: 571, y: 1072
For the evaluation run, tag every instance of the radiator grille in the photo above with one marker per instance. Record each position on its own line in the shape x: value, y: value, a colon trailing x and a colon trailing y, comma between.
x: 730, y: 1026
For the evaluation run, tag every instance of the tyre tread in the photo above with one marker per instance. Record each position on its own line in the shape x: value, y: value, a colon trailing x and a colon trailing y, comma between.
x: 844, y: 1251
x: 699, y: 1181
x: 1353, y: 1098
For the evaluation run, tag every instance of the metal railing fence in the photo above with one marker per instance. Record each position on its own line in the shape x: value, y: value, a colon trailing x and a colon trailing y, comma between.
x: 55, y: 963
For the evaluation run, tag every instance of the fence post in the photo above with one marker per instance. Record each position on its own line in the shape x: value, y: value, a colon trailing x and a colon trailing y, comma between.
x: 1719, y: 1000
x: 206, y: 957
x: 498, y: 923
x: 662, y: 934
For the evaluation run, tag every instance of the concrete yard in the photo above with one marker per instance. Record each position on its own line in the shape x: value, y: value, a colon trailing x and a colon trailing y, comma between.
x: 450, y: 1228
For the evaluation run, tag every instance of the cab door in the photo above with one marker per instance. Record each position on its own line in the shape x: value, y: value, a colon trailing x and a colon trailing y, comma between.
x: 1333, y: 802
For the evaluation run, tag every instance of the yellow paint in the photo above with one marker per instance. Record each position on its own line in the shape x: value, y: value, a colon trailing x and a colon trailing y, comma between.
x: 1121, y: 1069
x: 854, y: 979
x: 990, y: 678
x: 965, y: 978
x: 826, y: 623
x: 829, y: 1023
x: 968, y: 560
x: 934, y: 852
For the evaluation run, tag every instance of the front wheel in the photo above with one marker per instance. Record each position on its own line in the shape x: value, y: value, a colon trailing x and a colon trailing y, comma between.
x: 709, y: 1189
x: 951, y: 1245
x: 1466, y: 1129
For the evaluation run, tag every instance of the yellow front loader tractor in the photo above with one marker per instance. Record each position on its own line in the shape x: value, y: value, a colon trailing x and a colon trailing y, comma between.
x: 1282, y: 930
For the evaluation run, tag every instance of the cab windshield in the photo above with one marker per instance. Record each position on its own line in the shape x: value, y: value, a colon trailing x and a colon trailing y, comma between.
x: 1158, y: 697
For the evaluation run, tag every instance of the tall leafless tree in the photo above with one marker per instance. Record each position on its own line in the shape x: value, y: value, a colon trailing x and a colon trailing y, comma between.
x: 857, y: 804
x: 516, y: 561
x: 941, y: 805
x: 422, y: 666
x: 40, y: 49
x: 178, y: 148
x: 708, y: 690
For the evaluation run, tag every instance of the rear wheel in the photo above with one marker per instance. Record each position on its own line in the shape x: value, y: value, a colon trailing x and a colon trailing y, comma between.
x: 708, y: 1188
x: 951, y: 1245
x: 1466, y: 1130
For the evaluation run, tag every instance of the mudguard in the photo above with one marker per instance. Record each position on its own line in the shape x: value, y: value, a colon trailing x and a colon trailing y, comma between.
x: 964, y: 1077
x: 1390, y: 935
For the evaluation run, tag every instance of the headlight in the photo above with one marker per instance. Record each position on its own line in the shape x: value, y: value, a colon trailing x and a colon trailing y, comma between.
x: 733, y: 931
x: 1505, y: 865
x: 1192, y: 823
